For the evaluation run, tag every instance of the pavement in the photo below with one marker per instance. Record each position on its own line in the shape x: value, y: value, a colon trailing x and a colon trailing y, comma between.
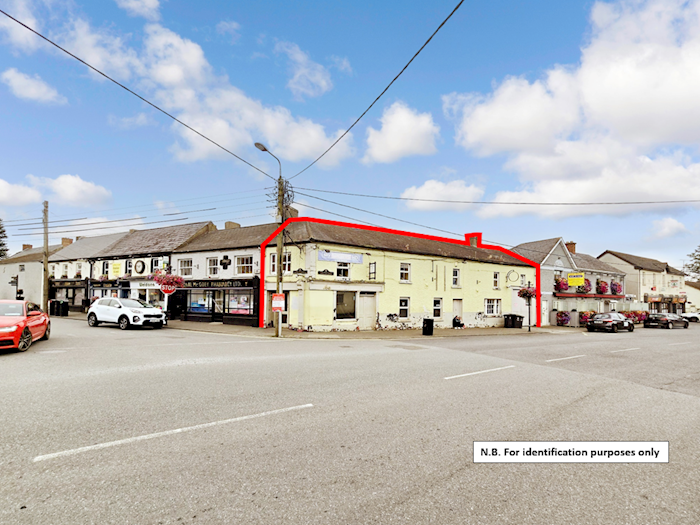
x: 249, y: 331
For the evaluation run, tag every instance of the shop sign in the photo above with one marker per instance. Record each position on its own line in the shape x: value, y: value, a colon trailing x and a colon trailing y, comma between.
x: 278, y: 302
x: 576, y: 279
x: 227, y: 283
x: 355, y: 258
x: 167, y: 289
x: 117, y: 269
x: 141, y: 285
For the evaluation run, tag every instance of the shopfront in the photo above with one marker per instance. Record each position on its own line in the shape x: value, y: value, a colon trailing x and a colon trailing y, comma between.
x: 109, y: 288
x: 148, y: 291
x: 231, y: 301
x: 72, y: 290
x: 665, y: 304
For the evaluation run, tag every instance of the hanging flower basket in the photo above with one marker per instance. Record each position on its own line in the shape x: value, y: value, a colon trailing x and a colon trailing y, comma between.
x: 601, y: 287
x: 586, y: 288
x: 615, y: 288
x: 563, y: 318
x: 561, y: 285
x: 527, y: 293
x: 168, y: 278
x: 103, y: 277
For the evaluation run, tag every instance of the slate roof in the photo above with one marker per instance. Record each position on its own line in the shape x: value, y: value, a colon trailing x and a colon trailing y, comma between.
x: 246, y: 237
x: 644, y: 263
x: 31, y: 255
x: 588, y: 262
x: 316, y: 232
x: 693, y: 284
x: 86, y: 247
x: 536, y: 251
x: 154, y: 241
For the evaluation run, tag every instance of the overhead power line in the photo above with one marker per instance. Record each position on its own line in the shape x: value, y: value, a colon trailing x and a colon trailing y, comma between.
x: 136, y: 94
x: 382, y: 93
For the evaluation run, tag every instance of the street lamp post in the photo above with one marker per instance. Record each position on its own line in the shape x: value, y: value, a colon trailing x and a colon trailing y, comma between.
x: 280, y: 237
x: 529, y: 301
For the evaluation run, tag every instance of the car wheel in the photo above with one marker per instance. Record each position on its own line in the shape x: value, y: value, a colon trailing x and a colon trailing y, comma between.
x: 631, y: 328
x: 158, y: 325
x: 686, y: 325
x: 669, y: 325
x: 47, y: 334
x: 614, y: 329
x: 25, y: 340
x: 92, y: 320
x: 123, y: 322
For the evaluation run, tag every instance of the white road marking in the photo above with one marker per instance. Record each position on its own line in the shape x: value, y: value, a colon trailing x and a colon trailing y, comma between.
x: 677, y: 344
x: 563, y: 358
x: 52, y: 352
x: 480, y: 372
x: 625, y: 350
x: 166, y: 433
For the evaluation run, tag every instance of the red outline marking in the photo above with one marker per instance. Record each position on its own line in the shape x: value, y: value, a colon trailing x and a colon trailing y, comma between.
x: 465, y: 242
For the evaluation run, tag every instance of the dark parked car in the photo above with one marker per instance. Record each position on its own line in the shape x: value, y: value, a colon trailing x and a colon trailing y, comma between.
x: 665, y: 321
x: 611, y: 322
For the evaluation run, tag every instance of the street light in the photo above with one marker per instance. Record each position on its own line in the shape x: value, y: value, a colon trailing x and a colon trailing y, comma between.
x: 280, y: 238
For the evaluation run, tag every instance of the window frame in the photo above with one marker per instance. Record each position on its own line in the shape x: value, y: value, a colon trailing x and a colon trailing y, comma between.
x: 456, y: 278
x: 105, y: 268
x: 496, y: 280
x: 155, y: 264
x: 242, y: 264
x: 183, y: 269
x: 212, y: 269
x: 406, y: 270
x: 437, y: 307
x: 128, y: 267
x: 407, y: 307
x: 286, y: 263
x: 342, y: 272
x: 496, y: 304
x: 354, y: 314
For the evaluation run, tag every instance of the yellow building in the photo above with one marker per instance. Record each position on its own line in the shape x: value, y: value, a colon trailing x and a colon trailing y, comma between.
x: 352, y: 278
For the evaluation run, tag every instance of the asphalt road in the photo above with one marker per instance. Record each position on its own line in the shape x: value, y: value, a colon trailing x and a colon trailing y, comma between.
x: 149, y: 427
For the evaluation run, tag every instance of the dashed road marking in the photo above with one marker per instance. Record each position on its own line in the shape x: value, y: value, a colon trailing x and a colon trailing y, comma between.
x: 625, y: 350
x: 678, y: 344
x: 480, y: 372
x: 563, y: 358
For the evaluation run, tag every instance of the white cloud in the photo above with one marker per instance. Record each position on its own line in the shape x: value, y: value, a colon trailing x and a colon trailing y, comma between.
x: 342, y: 64
x: 612, y: 127
x: 456, y: 190
x: 17, y: 195
x: 145, y: 8
x: 667, y: 227
x: 229, y: 27
x: 31, y: 88
x: 309, y: 78
x: 71, y: 190
x: 404, y: 132
x: 137, y: 121
x: 18, y: 36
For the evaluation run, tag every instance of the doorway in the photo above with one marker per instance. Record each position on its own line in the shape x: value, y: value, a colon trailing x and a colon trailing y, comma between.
x: 367, y: 310
x: 457, y: 308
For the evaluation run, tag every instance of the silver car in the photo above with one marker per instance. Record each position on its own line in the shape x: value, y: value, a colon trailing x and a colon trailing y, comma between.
x: 125, y: 313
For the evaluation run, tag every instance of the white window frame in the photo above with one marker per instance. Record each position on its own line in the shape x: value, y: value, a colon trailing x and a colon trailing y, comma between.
x: 407, y: 307
x: 496, y: 280
x: 406, y: 270
x: 437, y: 307
x: 286, y: 263
x: 342, y: 268
x: 494, y: 305
x: 456, y: 278
x: 212, y: 266
x: 128, y: 266
x: 523, y: 282
x: 105, y: 268
x: 155, y: 264
x: 184, y: 267
x: 242, y: 263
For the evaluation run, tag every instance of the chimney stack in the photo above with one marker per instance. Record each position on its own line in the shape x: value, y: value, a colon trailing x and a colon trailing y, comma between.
x: 26, y: 247
x: 292, y: 213
x: 65, y: 241
x: 230, y: 225
x: 571, y: 246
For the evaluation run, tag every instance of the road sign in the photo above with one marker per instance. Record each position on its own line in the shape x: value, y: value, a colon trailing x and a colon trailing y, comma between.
x: 278, y: 302
x: 167, y: 289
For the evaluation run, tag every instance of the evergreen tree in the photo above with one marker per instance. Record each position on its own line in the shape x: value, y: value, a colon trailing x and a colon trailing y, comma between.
x: 693, y: 267
x: 3, y: 244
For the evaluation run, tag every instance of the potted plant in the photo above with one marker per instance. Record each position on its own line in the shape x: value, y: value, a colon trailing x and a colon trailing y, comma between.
x: 560, y: 284
x: 527, y: 293
x: 615, y: 288
x: 586, y: 288
x: 601, y: 287
x: 168, y: 279
x: 563, y: 318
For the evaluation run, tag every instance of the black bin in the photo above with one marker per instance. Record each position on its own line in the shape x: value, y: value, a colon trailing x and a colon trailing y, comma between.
x: 63, y: 309
x: 517, y: 321
x: 428, y: 327
x: 52, y: 307
x: 508, y: 320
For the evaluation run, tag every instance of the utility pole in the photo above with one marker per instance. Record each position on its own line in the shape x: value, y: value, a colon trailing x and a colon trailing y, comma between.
x: 45, y: 286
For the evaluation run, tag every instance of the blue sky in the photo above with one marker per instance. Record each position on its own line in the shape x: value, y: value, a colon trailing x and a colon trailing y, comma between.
x: 541, y: 101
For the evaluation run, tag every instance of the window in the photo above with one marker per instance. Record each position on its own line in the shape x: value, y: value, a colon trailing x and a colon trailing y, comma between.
x: 21, y: 267
x: 492, y: 306
x: 105, y: 268
x: 496, y: 280
x: 343, y: 271
x: 405, y: 273
x: 286, y: 263
x: 345, y: 305
x: 78, y: 267
x: 212, y: 266
x: 404, y: 303
x: 129, y: 266
x: 522, y: 279
x: 65, y: 271
x: 455, y: 278
x: 437, y: 308
x: 155, y: 265
x: 185, y: 267
x: 372, y: 271
x: 244, y: 264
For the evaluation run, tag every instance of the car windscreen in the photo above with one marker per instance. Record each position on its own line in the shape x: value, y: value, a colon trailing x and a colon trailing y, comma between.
x: 12, y: 309
x: 134, y: 303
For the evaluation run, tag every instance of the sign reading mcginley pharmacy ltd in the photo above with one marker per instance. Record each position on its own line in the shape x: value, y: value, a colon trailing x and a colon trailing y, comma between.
x: 355, y: 258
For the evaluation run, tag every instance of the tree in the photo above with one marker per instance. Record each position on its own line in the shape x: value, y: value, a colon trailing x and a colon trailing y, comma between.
x: 3, y: 244
x: 693, y: 267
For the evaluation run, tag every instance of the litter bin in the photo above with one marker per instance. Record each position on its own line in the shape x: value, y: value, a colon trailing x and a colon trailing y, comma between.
x: 64, y: 309
x: 52, y: 307
x: 508, y: 320
x: 517, y: 321
x: 427, y: 327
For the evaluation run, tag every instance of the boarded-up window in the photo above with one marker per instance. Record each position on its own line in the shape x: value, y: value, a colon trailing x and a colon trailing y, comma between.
x: 345, y: 305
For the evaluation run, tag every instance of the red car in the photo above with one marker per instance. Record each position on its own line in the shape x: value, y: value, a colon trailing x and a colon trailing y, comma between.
x: 21, y: 323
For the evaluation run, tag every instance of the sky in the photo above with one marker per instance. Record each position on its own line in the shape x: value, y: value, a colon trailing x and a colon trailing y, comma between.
x: 543, y: 101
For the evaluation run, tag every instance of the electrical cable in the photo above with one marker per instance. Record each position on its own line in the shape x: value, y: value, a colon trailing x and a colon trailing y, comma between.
x: 382, y: 93
x: 136, y: 94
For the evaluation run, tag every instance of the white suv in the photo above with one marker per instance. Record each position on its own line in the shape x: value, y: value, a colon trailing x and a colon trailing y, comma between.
x: 125, y: 313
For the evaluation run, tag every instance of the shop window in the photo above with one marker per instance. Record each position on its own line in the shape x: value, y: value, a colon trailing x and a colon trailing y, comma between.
x: 213, y: 266
x: 405, y: 273
x: 492, y: 306
x: 496, y: 280
x: 345, y: 305
x: 455, y: 278
x: 343, y: 271
x: 244, y: 265
x: 198, y: 299
x: 437, y: 308
x: 404, y: 304
x: 240, y: 302
x: 372, y: 271
x: 185, y: 267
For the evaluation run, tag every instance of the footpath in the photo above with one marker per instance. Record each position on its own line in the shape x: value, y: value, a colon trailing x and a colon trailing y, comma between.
x: 248, y: 331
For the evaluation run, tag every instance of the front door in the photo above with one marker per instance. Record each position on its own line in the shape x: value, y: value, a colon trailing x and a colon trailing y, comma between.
x: 367, y: 311
x: 456, y: 308
x: 217, y: 305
